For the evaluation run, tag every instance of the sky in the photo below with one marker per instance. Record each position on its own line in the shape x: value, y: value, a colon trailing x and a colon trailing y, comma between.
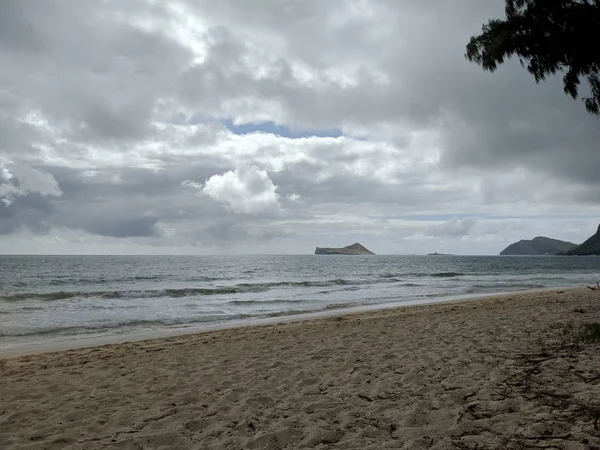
x: 275, y: 126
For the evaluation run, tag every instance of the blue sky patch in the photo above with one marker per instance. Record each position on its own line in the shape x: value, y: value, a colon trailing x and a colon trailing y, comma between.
x: 279, y: 130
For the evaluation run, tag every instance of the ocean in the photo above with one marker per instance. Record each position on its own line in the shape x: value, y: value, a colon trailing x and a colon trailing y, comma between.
x: 45, y: 299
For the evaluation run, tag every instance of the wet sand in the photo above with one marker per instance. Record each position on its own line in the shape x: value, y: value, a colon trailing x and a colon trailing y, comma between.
x: 488, y: 373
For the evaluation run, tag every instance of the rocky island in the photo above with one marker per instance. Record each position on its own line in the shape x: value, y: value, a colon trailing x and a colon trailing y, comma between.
x: 539, y: 246
x: 354, y: 249
x: 546, y: 246
x: 589, y: 247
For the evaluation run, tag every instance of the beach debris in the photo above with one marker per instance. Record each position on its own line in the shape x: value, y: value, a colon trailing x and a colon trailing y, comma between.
x: 595, y: 288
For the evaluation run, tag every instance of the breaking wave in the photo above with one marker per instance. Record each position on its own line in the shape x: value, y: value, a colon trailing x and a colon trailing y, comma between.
x: 174, y: 293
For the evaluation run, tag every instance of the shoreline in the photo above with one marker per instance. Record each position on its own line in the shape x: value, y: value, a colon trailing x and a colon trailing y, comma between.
x: 73, y: 342
x: 495, y: 373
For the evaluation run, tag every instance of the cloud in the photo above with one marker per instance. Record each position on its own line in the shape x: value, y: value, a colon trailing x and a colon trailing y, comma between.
x: 123, y: 227
x: 24, y: 180
x: 154, y: 127
x: 453, y: 227
x: 243, y: 190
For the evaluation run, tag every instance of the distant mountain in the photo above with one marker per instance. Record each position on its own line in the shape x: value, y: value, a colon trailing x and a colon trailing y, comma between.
x: 539, y: 246
x: 589, y: 247
x: 354, y: 249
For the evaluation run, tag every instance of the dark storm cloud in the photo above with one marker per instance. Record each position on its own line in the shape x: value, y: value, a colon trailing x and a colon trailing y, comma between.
x: 118, y: 227
x: 338, y: 189
x: 486, y: 120
x: 125, y: 202
x: 89, y: 72
x: 29, y: 212
x: 16, y: 30
x: 128, y: 202
x: 128, y: 182
x: 17, y: 137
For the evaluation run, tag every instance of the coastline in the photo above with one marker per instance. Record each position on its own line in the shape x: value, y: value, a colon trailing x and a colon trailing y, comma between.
x: 25, y: 348
x: 446, y: 375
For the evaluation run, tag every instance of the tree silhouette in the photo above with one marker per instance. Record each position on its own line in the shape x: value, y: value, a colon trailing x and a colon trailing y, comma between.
x: 548, y: 36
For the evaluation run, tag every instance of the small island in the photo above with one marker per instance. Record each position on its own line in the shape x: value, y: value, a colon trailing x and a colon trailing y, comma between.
x: 589, y: 247
x: 538, y: 246
x: 354, y: 249
x: 545, y: 246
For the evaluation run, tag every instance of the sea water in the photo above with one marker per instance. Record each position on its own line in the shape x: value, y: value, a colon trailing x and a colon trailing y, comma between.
x: 57, y: 298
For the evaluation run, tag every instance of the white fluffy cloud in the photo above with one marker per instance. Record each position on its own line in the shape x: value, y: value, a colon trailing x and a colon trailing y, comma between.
x: 243, y: 190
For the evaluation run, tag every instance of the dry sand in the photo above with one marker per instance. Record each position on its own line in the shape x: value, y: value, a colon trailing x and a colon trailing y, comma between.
x: 490, y: 373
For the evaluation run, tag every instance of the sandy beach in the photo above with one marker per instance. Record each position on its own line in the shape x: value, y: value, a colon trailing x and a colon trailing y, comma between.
x: 501, y: 372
